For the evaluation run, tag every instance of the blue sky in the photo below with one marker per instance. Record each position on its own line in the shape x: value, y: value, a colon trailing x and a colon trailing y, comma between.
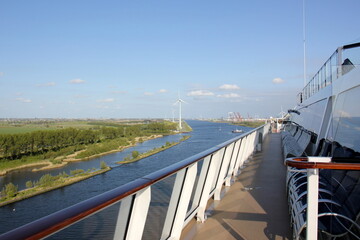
x: 131, y: 59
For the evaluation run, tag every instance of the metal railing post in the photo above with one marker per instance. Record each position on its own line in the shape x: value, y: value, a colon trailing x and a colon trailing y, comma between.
x: 241, y: 156
x: 312, y: 203
x: 232, y: 164
x: 222, y: 171
x: 179, y: 202
x: 207, y: 176
x: 313, y: 197
x: 132, y: 215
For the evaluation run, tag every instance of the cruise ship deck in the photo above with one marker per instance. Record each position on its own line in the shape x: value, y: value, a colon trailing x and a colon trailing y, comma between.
x: 255, y: 206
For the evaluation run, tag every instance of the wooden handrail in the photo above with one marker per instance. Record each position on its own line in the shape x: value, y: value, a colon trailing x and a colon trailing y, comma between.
x: 303, y: 163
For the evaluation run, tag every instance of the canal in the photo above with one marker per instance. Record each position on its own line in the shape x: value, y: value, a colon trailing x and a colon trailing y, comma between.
x: 204, y: 135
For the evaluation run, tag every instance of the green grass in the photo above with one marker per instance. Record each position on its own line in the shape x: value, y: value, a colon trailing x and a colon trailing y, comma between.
x: 185, y: 127
x: 20, y: 129
x: 26, y: 127
x: 253, y: 124
x: 4, y: 164
x: 56, y: 182
x: 168, y: 145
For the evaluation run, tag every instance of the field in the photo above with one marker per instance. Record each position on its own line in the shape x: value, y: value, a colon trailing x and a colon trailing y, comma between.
x: 253, y: 124
x: 30, y: 125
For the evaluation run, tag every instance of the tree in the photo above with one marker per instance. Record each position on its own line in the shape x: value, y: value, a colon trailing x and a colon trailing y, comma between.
x: 10, y: 190
x: 135, y: 154
x: 46, y: 180
x: 29, y: 184
x: 103, y: 165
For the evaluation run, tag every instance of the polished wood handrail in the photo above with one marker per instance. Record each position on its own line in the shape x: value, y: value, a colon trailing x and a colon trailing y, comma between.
x: 303, y: 163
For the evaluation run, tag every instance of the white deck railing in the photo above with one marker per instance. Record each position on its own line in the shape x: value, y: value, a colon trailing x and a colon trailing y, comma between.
x: 156, y: 206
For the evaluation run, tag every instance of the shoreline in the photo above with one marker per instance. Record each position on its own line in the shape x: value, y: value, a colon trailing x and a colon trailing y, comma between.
x: 71, y: 158
x: 21, y: 195
x: 153, y: 151
x: 34, y: 192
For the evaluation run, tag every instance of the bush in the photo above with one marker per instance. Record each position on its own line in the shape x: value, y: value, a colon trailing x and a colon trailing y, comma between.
x: 10, y: 190
x: 135, y: 154
x: 46, y: 180
x: 29, y: 184
x: 103, y: 165
x: 55, y: 161
x: 64, y: 175
x: 76, y: 172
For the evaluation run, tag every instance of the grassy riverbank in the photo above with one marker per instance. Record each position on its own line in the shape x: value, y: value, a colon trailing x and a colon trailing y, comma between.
x: 111, y: 139
x: 45, y: 184
x: 52, y: 160
x: 252, y: 124
x: 135, y: 156
x: 54, y: 143
x: 185, y: 127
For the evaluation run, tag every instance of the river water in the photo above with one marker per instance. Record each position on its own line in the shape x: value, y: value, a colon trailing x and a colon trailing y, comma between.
x: 204, y: 136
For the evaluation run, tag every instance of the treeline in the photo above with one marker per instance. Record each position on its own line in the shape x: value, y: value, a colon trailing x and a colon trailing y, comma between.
x: 14, y: 146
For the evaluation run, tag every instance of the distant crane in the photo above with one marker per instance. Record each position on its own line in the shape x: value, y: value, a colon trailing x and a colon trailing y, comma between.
x: 179, y: 101
x: 234, y: 116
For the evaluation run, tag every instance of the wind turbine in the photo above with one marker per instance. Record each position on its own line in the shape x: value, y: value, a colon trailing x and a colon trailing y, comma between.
x: 282, y: 113
x: 179, y: 101
x: 173, y: 113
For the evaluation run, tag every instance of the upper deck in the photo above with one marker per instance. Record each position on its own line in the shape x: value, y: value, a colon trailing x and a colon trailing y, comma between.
x: 255, y: 206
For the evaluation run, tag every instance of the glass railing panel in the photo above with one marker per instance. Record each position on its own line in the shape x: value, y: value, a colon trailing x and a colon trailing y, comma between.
x: 346, y: 119
x: 338, y: 216
x: 194, y: 203
x: 100, y: 225
x: 217, y: 157
x: 160, y: 199
x: 351, y: 59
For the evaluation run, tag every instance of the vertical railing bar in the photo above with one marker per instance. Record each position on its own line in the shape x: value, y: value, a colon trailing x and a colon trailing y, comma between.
x: 177, y: 205
x: 312, y: 203
x: 207, y: 188
x: 129, y: 215
x: 232, y: 163
x: 132, y: 215
x: 180, y: 197
x: 218, y: 176
x: 238, y: 155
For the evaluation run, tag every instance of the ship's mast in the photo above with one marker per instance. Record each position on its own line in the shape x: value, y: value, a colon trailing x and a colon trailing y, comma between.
x: 304, y: 41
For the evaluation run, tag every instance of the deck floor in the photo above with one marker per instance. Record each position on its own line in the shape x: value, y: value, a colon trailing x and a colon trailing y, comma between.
x: 255, y: 206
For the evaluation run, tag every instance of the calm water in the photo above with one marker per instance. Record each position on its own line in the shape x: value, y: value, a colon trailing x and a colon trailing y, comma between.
x: 204, y: 135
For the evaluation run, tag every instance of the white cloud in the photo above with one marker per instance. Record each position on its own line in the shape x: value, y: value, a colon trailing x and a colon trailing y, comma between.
x: 148, y: 93
x: 76, y: 81
x: 106, y: 100
x: 1, y: 74
x: 229, y: 87
x: 278, y: 80
x: 48, y: 84
x: 24, y: 100
x: 119, y: 92
x: 230, y: 95
x: 200, y: 93
x: 162, y: 91
x: 80, y: 96
x: 102, y: 107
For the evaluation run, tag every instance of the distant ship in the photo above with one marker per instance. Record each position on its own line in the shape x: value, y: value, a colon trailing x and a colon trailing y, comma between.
x: 237, y: 131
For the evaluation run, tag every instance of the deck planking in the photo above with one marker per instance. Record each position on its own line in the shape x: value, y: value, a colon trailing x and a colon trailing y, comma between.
x: 255, y: 206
